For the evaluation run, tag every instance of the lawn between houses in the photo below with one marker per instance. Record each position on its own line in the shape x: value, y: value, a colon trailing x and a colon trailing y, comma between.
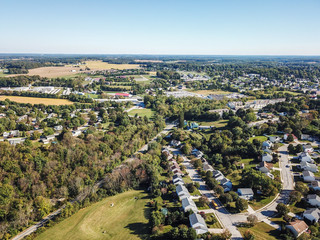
x: 127, y: 219
x: 142, y: 112
x: 262, y: 231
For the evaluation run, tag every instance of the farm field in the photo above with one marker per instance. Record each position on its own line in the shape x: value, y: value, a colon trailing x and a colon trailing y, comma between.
x: 262, y: 231
x: 127, y: 219
x: 99, y: 65
x: 50, y: 72
x: 33, y: 100
x: 142, y: 112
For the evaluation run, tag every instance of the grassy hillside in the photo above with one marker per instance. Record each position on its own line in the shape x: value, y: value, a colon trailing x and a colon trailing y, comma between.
x: 127, y: 219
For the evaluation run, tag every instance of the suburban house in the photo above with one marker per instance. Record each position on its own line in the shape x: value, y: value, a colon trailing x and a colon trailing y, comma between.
x: 197, y: 223
x: 217, y: 175
x: 307, y: 148
x: 245, y: 193
x: 297, y: 227
x: 274, y: 139
x: 285, y: 136
x: 58, y: 128
x: 182, y: 192
x: 197, y: 153
x: 226, y: 184
x: 175, y: 143
x: 309, y: 167
x: 15, y: 141
x: 306, y: 137
x: 315, y: 185
x: 266, y: 157
x: 314, y: 200
x: 312, y: 214
x: 207, y: 167
x: 188, y: 204
x: 177, y: 179
x: 265, y: 167
x: 308, y: 176
x: 305, y: 157
x: 76, y: 133
x: 267, y: 144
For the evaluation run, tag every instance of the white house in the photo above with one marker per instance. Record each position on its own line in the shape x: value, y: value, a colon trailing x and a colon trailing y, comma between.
x: 312, y: 214
x: 182, y: 192
x: 314, y: 200
x: 297, y: 227
x: 197, y: 223
x: 309, y: 167
x: 15, y: 141
x: 305, y: 157
x: 175, y: 143
x: 217, y: 175
x: 188, y: 204
x: 245, y: 193
x: 266, y: 157
x: 307, y: 148
x: 177, y: 179
x: 58, y: 128
x: 274, y: 139
x: 76, y: 133
x: 308, y: 176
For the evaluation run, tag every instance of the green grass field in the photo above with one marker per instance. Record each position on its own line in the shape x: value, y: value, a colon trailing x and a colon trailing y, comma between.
x: 262, y: 231
x: 260, y: 202
x: 260, y: 138
x: 218, y: 124
x: 127, y: 219
x: 142, y: 112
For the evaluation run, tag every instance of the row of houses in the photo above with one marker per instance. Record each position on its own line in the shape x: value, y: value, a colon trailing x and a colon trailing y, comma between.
x: 196, y: 220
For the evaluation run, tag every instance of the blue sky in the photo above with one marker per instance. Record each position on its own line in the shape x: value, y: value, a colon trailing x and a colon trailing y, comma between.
x: 213, y: 27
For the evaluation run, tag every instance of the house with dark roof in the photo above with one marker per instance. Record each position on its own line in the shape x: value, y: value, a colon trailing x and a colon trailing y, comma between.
x: 188, y: 204
x: 312, y: 214
x: 197, y: 223
x: 314, y: 200
x: 265, y: 167
x: 315, y: 185
x: 308, y: 176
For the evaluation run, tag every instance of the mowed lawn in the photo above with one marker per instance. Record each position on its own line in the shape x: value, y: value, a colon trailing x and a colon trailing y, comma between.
x: 127, y: 219
x: 142, y: 112
x: 33, y: 100
x: 262, y: 231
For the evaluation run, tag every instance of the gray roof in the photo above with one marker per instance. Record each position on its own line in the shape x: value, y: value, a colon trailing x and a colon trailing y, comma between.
x: 313, y: 196
x: 196, y: 218
x: 307, y: 173
x: 245, y: 191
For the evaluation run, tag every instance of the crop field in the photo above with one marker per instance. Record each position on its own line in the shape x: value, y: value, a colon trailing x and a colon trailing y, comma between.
x: 33, y: 100
x: 99, y: 65
x: 126, y: 219
x: 51, y: 72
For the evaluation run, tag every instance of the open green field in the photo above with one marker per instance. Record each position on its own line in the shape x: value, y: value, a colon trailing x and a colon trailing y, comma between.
x: 127, y: 219
x: 248, y: 163
x: 218, y: 124
x: 260, y: 138
x: 260, y: 201
x: 262, y: 231
x: 142, y: 112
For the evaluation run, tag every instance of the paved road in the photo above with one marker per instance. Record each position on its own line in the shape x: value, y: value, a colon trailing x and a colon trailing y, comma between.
x: 230, y: 221
x: 226, y: 219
